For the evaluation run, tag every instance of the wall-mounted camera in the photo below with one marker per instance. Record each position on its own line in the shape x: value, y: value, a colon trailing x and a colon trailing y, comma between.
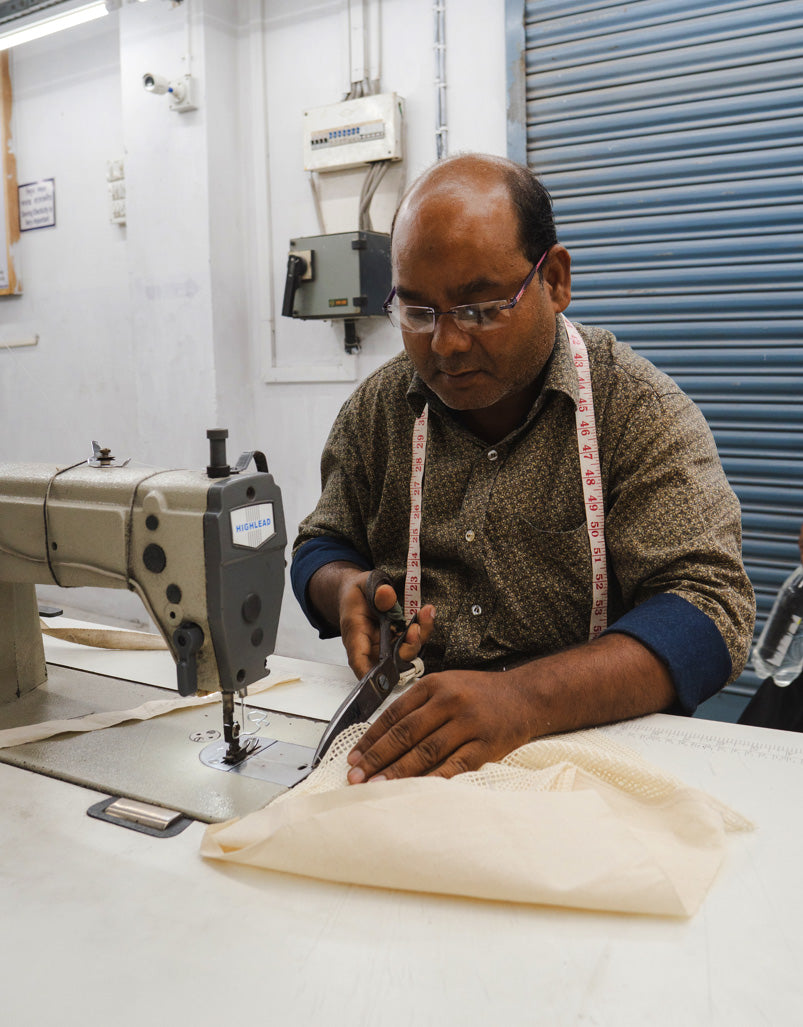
x: 155, y: 83
x: 180, y: 90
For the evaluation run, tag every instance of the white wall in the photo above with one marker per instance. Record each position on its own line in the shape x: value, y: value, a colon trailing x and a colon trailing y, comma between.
x: 152, y: 333
x: 57, y: 396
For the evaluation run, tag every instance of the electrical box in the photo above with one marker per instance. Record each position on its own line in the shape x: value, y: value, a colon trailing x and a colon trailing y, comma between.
x: 344, y: 275
x: 354, y: 132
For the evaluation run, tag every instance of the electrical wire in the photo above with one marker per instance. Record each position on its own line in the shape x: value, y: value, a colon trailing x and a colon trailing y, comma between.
x: 365, y: 87
x: 66, y: 565
x: 363, y: 213
x: 18, y: 555
x: 376, y: 173
x: 316, y: 199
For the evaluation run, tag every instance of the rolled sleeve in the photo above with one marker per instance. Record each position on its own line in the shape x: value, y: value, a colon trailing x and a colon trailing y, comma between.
x: 309, y: 558
x: 685, y: 640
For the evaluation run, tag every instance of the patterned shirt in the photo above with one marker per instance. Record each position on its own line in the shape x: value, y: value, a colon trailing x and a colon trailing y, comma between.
x: 504, y: 546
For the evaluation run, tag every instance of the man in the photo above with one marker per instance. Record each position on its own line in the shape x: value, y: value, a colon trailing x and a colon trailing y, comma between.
x: 508, y: 521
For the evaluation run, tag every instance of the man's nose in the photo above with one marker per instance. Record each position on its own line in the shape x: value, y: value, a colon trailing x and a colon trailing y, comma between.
x: 448, y: 338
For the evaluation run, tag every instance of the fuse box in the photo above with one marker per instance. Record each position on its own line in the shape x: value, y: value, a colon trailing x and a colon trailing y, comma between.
x: 354, y: 132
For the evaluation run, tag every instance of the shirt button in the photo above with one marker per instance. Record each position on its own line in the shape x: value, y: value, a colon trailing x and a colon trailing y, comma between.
x: 476, y: 609
x: 492, y: 454
x: 470, y: 535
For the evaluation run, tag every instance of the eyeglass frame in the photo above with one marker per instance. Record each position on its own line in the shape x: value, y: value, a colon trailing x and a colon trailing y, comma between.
x: 506, y: 304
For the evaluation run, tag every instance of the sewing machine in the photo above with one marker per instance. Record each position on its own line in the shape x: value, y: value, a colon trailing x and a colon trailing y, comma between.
x: 204, y: 551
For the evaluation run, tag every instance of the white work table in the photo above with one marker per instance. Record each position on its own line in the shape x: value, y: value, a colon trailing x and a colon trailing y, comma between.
x: 101, y: 925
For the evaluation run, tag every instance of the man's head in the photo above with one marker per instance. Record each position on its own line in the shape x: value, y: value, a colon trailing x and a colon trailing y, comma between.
x: 530, y: 198
x: 470, y: 230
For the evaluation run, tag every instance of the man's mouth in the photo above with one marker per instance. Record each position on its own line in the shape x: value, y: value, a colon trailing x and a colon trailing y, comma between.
x: 458, y: 372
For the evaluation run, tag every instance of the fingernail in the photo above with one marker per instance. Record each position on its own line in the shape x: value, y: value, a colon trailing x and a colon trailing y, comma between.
x: 354, y: 757
x: 356, y: 776
x: 377, y: 778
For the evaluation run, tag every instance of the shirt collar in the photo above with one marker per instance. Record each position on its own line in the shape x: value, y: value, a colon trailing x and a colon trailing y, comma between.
x: 561, y: 375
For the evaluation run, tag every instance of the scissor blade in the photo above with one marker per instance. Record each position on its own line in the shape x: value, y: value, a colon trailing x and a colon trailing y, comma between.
x: 362, y: 701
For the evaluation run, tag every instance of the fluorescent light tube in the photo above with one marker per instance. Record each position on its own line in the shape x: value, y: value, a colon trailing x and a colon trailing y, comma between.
x: 57, y: 22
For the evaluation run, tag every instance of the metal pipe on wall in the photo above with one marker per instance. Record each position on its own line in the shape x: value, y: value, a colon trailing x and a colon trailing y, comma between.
x: 364, y: 47
x: 375, y: 45
x: 441, y: 126
x: 357, y: 62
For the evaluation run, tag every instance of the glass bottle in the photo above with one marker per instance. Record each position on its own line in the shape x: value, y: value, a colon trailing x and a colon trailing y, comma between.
x: 779, y: 651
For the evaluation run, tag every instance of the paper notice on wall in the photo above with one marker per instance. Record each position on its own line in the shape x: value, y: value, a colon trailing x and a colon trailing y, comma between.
x: 37, y: 205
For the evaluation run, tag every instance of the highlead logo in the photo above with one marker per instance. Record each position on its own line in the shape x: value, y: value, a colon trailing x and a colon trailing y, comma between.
x: 252, y: 526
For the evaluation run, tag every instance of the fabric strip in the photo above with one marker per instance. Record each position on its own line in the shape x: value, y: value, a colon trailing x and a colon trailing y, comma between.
x: 97, y: 721
x: 107, y: 638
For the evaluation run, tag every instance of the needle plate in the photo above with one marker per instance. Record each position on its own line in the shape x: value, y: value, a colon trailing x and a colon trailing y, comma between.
x: 283, y: 763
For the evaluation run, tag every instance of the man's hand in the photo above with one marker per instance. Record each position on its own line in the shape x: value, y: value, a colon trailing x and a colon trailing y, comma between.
x: 359, y: 627
x: 458, y: 720
x: 443, y: 725
x: 336, y: 592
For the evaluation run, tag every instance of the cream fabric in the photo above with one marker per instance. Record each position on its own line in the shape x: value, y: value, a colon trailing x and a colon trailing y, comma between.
x: 106, y: 638
x: 97, y: 721
x: 575, y: 820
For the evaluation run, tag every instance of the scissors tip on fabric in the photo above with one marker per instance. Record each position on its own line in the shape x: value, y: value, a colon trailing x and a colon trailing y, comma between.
x: 371, y: 691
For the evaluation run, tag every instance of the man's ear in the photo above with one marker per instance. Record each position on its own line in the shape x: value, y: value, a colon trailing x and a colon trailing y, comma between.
x: 558, y: 277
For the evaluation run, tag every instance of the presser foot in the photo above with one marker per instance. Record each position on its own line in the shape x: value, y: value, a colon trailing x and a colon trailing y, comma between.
x: 236, y: 750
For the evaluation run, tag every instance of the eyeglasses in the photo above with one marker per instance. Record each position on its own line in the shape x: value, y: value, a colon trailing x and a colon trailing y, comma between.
x: 469, y: 317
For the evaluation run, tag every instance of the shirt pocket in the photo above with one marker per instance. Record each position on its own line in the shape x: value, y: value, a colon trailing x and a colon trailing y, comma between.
x: 543, y: 588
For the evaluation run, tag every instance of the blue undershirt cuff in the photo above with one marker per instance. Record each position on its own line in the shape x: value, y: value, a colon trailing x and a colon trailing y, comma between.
x: 309, y: 557
x: 685, y: 640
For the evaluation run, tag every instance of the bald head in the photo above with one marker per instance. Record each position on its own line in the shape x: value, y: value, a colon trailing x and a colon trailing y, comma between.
x: 472, y: 182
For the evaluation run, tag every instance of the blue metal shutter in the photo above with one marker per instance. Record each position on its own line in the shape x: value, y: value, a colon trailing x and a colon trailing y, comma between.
x: 670, y: 134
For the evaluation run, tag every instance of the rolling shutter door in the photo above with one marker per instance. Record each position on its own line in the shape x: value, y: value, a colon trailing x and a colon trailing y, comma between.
x: 670, y: 135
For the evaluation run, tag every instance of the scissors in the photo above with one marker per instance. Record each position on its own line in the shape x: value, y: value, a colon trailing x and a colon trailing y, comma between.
x: 369, y: 693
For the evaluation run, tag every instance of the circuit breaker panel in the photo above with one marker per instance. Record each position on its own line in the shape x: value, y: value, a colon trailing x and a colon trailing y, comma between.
x: 353, y: 133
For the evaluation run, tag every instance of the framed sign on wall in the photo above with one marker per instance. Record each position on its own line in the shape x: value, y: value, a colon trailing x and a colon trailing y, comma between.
x: 10, y: 283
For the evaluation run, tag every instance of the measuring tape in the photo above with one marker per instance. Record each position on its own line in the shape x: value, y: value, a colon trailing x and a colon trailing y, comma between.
x: 412, y: 581
x: 591, y: 473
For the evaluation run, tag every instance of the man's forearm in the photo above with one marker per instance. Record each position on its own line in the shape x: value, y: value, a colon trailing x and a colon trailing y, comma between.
x: 458, y: 720
x: 613, y: 678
